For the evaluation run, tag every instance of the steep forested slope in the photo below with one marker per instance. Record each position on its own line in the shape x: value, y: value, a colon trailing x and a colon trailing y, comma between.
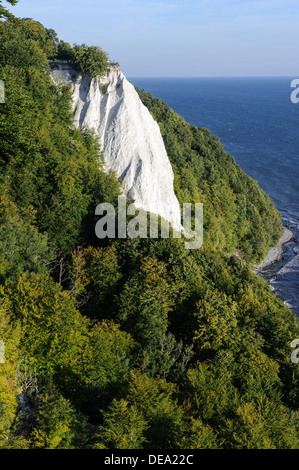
x: 238, y: 214
x: 148, y: 343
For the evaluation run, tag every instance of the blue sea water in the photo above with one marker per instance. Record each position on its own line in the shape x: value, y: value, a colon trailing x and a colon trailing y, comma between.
x: 258, y: 125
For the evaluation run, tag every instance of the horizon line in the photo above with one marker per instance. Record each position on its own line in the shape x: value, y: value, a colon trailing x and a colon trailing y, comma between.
x: 214, y: 76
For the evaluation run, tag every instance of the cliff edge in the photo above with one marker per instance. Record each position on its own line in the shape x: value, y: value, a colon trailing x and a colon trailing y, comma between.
x: 130, y: 137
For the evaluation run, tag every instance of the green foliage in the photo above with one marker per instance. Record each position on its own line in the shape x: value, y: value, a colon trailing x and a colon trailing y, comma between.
x: 64, y: 51
x: 22, y: 247
x: 4, y: 13
x: 212, y: 394
x: 198, y: 436
x: 216, y: 321
x: 90, y: 60
x: 145, y: 303
x: 155, y: 399
x: 152, y: 345
x: 44, y: 161
x: 45, y: 38
x: 238, y: 215
x: 95, y: 272
x: 58, y: 341
x: 9, y: 387
x: 59, y: 426
x: 123, y: 426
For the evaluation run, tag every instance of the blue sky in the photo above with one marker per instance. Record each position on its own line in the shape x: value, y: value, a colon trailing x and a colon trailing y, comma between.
x: 180, y: 38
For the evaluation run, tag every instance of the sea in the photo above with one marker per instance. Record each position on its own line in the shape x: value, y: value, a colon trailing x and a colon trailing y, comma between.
x: 257, y: 121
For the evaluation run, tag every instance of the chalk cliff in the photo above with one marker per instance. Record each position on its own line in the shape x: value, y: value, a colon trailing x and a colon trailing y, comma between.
x: 130, y: 137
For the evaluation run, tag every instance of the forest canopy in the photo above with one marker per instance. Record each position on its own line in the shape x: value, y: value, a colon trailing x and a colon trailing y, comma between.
x: 128, y: 344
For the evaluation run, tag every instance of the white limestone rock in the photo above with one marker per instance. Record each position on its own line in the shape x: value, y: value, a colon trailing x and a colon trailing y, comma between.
x: 130, y: 138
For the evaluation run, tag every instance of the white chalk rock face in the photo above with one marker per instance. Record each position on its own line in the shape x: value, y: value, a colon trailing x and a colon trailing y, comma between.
x: 130, y: 138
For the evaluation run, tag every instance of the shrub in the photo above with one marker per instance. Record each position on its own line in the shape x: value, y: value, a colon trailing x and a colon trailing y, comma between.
x: 90, y: 60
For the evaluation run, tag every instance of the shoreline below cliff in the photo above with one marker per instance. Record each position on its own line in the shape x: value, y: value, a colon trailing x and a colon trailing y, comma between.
x: 275, y: 253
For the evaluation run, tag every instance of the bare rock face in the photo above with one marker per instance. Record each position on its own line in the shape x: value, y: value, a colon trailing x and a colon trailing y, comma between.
x: 130, y: 138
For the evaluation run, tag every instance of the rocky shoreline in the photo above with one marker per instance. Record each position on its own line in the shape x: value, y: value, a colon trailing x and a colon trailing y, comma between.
x: 275, y: 253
